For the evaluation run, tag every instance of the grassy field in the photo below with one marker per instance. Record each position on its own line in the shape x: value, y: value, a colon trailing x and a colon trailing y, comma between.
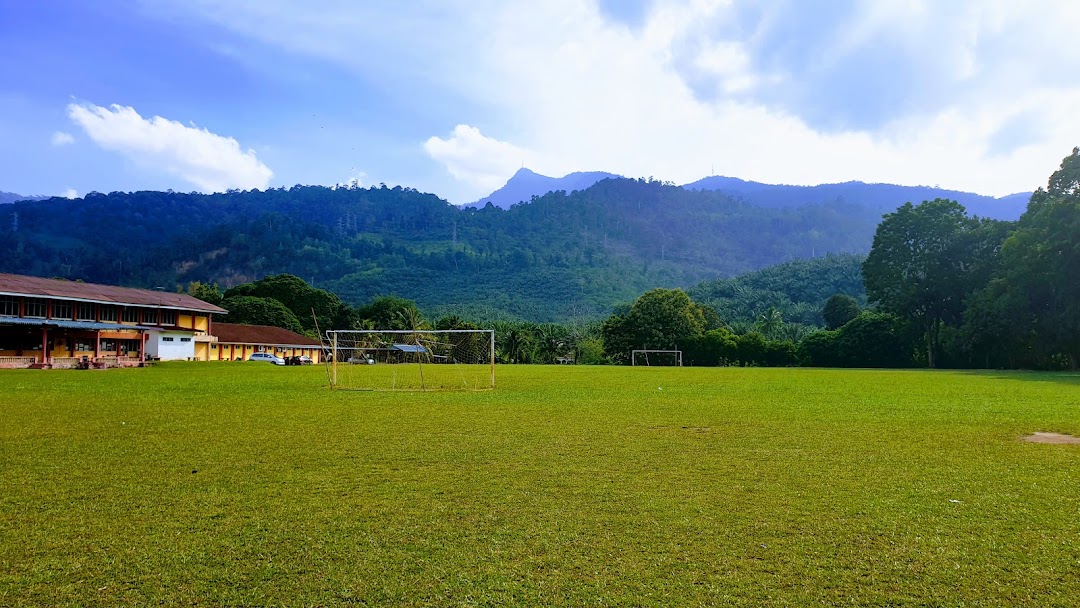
x: 251, y: 485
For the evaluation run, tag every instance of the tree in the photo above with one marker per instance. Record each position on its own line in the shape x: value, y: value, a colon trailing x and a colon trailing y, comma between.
x: 923, y: 264
x: 873, y: 339
x: 551, y: 342
x: 998, y: 328
x: 770, y: 323
x: 391, y: 312
x: 206, y: 292
x: 714, y: 347
x: 659, y: 319
x: 819, y: 350
x: 302, y: 299
x: 839, y: 309
x: 1041, y: 265
x: 753, y: 348
x: 249, y: 310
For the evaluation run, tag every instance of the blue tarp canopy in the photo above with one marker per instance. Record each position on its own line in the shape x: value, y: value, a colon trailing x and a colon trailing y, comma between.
x: 61, y: 324
x: 410, y: 348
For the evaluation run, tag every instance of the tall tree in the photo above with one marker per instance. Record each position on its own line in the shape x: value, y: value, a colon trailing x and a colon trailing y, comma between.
x: 207, y: 292
x: 920, y: 266
x: 659, y: 319
x: 391, y: 312
x: 250, y: 310
x: 1041, y: 264
x: 302, y: 299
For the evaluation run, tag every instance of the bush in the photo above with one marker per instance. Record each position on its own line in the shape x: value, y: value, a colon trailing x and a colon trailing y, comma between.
x: 839, y: 309
x: 715, y: 347
x: 819, y: 350
x: 752, y: 348
x: 780, y: 353
x: 873, y: 339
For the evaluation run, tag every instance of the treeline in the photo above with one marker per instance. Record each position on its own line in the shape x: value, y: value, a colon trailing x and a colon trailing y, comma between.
x: 980, y: 293
x: 549, y: 260
x: 758, y: 302
x: 944, y: 290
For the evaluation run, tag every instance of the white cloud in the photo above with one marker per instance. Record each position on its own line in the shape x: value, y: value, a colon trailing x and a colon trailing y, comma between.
x: 567, y: 89
x: 60, y: 138
x: 210, y: 162
x: 356, y: 179
x: 479, y: 161
x: 70, y: 193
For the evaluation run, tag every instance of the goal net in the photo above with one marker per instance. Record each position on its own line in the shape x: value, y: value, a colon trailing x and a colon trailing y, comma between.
x: 452, y: 359
x: 647, y: 358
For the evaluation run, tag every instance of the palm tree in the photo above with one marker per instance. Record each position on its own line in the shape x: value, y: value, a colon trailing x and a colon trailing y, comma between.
x: 770, y: 322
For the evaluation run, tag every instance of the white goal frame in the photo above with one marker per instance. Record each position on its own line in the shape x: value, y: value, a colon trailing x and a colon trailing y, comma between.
x: 398, y: 347
x: 647, y: 351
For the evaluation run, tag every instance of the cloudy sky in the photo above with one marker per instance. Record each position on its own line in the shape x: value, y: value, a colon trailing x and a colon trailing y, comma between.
x: 453, y: 96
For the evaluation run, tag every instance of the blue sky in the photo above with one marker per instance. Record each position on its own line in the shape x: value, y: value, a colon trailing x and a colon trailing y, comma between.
x: 452, y: 97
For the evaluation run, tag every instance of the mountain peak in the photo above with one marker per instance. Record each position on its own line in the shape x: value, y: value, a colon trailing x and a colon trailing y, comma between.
x: 526, y: 183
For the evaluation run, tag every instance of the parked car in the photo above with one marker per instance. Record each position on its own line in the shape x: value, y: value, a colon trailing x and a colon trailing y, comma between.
x: 304, y: 360
x: 267, y: 357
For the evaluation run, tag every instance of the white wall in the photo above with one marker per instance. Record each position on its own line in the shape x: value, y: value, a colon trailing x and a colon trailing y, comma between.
x: 176, y: 348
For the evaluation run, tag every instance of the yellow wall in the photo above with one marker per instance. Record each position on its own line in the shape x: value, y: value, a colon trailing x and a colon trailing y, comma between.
x: 202, y: 351
x: 202, y: 323
x: 228, y: 352
x: 184, y: 321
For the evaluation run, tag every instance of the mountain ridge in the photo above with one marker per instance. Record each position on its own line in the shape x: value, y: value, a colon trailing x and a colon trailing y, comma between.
x: 526, y: 183
x: 11, y: 197
x: 879, y: 197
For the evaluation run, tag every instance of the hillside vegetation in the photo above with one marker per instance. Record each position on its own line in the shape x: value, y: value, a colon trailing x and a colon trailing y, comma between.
x: 557, y: 257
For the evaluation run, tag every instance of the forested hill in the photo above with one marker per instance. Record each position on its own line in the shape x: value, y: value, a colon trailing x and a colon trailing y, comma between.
x: 11, y: 197
x: 883, y: 198
x: 560, y: 256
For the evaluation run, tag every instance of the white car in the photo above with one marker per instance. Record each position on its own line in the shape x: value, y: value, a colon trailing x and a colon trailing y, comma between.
x: 266, y: 357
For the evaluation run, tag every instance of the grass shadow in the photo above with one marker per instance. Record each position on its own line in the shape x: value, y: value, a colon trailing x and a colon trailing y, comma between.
x: 1072, y: 378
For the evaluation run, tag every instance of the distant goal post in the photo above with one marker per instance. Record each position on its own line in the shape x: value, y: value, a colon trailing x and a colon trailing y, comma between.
x: 411, y: 360
x: 655, y: 358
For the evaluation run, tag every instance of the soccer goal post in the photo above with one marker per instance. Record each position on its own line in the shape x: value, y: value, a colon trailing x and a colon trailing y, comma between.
x: 648, y: 357
x: 432, y: 360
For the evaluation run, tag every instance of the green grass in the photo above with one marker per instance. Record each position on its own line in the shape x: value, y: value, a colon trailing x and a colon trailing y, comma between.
x: 247, y: 484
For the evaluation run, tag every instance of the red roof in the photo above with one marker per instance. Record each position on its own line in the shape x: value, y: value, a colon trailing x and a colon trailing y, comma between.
x: 234, y: 333
x: 19, y: 285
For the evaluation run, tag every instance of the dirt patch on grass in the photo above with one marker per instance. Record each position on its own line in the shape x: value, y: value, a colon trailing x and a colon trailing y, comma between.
x: 1052, y: 438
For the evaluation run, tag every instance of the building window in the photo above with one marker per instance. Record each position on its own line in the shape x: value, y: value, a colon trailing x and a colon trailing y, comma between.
x: 213, y: 347
x: 185, y: 339
x: 108, y: 313
x: 130, y: 315
x: 84, y: 312
x: 35, y: 307
x: 149, y: 316
x: 83, y: 344
x: 61, y: 310
x: 168, y: 317
x: 166, y: 339
x: 9, y: 306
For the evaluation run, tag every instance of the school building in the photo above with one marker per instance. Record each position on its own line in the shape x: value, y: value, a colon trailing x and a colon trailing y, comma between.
x: 56, y: 324
x: 237, y: 343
